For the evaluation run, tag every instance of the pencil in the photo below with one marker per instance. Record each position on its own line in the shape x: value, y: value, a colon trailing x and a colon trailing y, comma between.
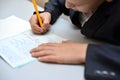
x: 37, y: 12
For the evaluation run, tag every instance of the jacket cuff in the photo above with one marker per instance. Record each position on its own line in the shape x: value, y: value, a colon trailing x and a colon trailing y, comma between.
x: 39, y: 12
x: 96, y: 67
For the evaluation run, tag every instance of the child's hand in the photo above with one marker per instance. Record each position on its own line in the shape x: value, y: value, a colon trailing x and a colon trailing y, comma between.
x: 46, y: 17
x: 66, y: 52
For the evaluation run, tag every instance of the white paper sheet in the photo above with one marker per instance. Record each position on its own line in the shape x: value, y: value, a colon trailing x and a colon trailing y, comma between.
x: 16, y: 49
x: 16, y: 43
x: 12, y: 25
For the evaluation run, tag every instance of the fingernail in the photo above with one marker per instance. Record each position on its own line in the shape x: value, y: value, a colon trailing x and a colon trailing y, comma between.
x: 33, y: 54
x: 30, y: 51
x: 39, y: 59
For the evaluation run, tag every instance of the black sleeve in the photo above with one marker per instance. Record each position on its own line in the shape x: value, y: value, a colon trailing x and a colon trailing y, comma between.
x: 102, y: 62
x: 56, y: 8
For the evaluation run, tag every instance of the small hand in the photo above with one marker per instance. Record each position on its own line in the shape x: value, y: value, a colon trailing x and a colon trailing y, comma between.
x: 46, y: 17
x: 66, y: 52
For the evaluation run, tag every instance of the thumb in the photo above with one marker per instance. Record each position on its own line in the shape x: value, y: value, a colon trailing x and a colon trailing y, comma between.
x: 46, y: 23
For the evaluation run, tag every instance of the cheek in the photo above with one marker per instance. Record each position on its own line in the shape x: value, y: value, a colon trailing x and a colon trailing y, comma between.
x: 69, y: 5
x: 66, y: 5
x: 83, y: 9
x: 78, y: 8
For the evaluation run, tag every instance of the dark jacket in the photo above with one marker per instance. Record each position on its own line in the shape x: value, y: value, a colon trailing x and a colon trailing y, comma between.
x: 102, y: 61
x: 103, y: 25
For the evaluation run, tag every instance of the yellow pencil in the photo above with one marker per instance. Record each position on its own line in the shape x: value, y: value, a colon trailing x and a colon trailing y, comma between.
x: 37, y: 12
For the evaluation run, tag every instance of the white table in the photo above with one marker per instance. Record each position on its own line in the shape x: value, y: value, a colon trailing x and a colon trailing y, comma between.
x: 37, y: 70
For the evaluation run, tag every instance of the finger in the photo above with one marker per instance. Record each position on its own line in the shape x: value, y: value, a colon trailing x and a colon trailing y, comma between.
x: 44, y: 31
x: 49, y: 58
x: 41, y: 48
x: 36, y: 29
x: 36, y: 32
x: 67, y: 41
x: 49, y: 44
x: 39, y: 31
x: 46, y: 27
x: 41, y: 53
x: 46, y: 23
x: 34, y: 50
x: 33, y: 19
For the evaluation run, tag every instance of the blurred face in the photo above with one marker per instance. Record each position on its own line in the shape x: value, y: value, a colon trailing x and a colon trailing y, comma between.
x: 85, y: 6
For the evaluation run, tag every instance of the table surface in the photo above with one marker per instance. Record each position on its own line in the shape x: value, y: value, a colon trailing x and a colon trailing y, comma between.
x: 38, y: 70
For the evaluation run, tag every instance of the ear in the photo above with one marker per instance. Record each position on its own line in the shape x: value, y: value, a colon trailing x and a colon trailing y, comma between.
x: 109, y: 0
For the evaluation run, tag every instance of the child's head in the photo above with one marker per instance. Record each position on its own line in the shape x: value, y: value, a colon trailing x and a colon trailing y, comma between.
x: 85, y: 6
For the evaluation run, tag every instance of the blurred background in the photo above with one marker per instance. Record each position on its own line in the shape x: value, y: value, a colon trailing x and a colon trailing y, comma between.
x: 41, y: 2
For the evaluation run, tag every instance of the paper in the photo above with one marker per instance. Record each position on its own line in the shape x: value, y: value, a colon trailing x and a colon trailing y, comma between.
x: 15, y: 49
x: 12, y: 26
